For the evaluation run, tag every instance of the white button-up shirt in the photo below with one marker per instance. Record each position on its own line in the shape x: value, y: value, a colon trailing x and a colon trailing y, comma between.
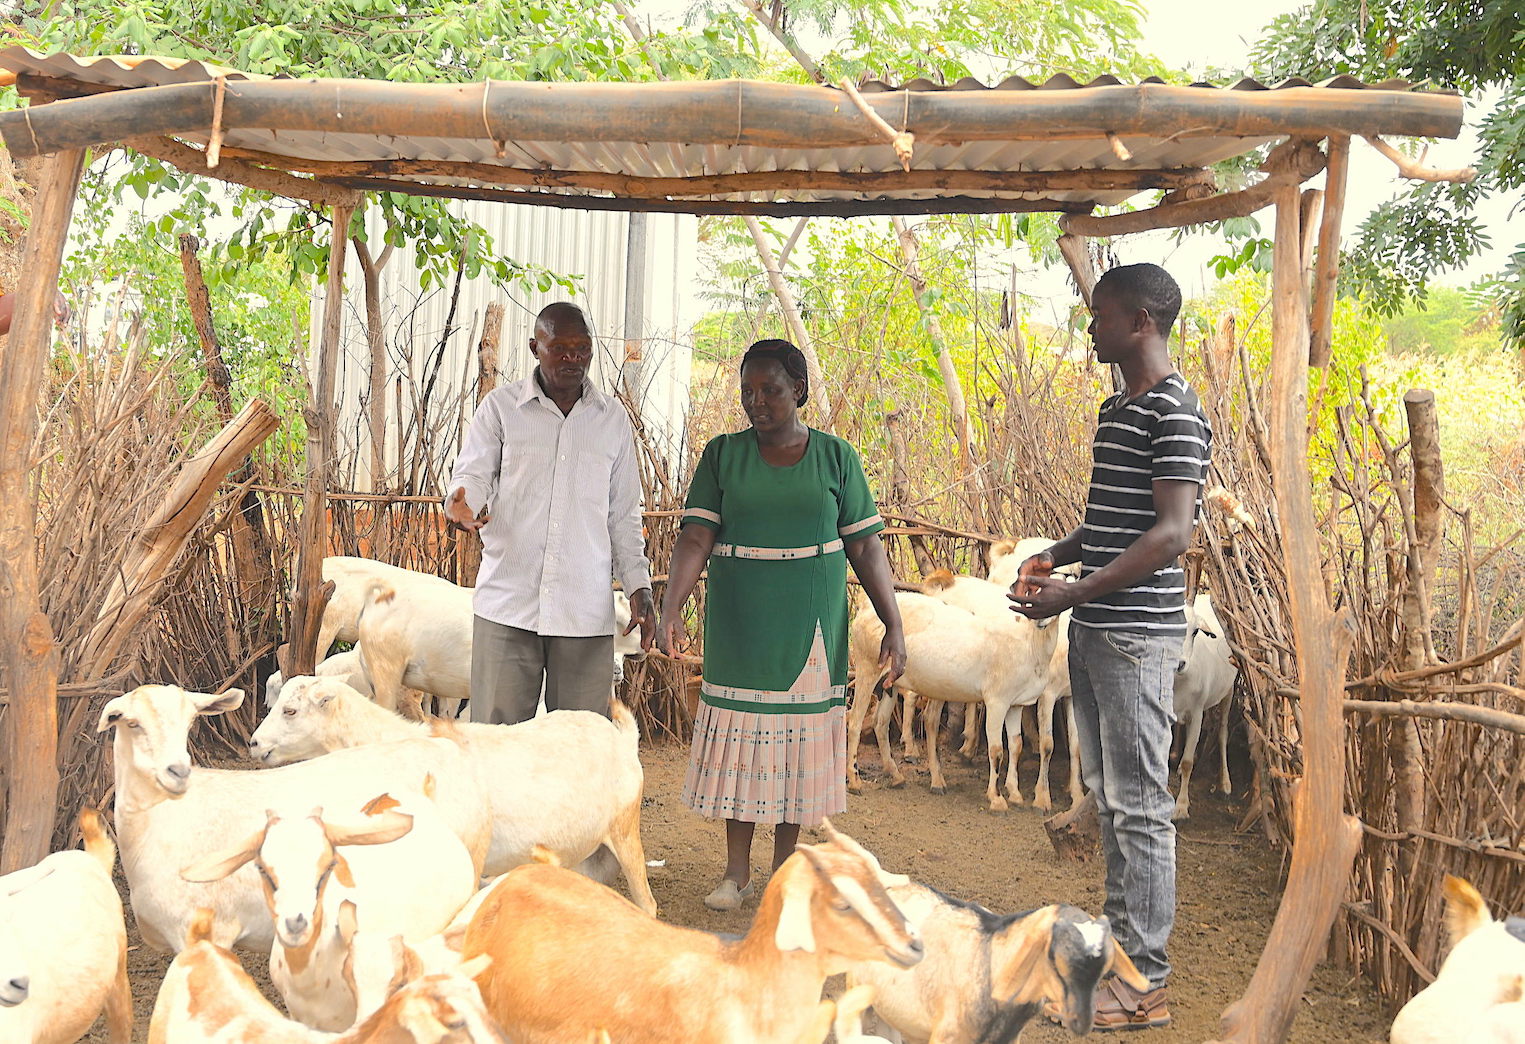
x: 564, y: 500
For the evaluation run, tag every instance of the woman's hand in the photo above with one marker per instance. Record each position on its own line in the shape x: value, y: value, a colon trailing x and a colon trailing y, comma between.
x: 669, y: 633
x: 892, y: 656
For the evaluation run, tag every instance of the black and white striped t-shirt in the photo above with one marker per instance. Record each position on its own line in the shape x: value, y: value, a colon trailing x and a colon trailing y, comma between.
x: 1162, y: 434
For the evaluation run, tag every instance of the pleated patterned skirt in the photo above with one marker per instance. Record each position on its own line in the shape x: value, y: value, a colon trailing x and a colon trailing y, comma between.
x: 772, y: 765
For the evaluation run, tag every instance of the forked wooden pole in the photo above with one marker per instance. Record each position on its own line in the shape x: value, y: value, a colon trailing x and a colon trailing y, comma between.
x: 1325, y: 838
x: 1327, y: 271
x: 309, y: 598
x: 27, y: 649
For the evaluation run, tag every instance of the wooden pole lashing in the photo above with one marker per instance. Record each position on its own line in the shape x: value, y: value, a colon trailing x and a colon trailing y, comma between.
x: 30, y: 738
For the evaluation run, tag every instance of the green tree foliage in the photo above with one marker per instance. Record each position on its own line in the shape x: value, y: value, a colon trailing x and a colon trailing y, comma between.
x: 439, y: 41
x: 1473, y: 46
x: 1452, y: 324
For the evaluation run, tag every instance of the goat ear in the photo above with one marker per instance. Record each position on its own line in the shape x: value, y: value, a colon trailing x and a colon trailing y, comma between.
x: 890, y: 880
x: 111, y: 713
x: 794, y: 931
x: 342, y: 871
x: 1465, y: 910
x: 217, y: 703
x: 347, y: 921
x: 1122, y: 966
x: 454, y: 938
x: 378, y: 829
x: 220, y: 864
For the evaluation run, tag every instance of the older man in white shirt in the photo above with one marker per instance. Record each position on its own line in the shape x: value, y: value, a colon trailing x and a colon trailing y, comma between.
x: 552, y: 459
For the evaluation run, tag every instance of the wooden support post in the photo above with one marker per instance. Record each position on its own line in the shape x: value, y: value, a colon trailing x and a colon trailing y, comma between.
x: 1326, y: 839
x: 308, y: 598
x: 1073, y: 249
x: 376, y: 396
x: 245, y: 523
x: 793, y: 320
x: 1327, y: 274
x: 953, y: 386
x: 30, y: 656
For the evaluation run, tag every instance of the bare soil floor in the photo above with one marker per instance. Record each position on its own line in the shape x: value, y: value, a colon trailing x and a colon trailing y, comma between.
x: 1228, y: 888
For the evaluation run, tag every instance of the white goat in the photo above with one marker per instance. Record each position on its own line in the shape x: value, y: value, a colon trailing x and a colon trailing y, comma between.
x: 985, y: 976
x: 421, y: 636
x: 165, y: 817
x: 1477, y: 996
x: 571, y: 959
x: 352, y: 578
x: 1205, y: 678
x: 63, y: 946
x: 953, y: 655
x: 848, y: 1022
x: 319, y: 896
x: 989, y: 600
x: 570, y: 781
x: 208, y: 998
x: 346, y: 666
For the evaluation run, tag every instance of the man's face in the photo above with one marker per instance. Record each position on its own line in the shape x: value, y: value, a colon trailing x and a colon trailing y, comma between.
x: 564, y: 350
x: 1114, y: 327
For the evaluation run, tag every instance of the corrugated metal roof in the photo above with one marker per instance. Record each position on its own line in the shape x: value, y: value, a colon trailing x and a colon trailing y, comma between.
x: 977, y: 146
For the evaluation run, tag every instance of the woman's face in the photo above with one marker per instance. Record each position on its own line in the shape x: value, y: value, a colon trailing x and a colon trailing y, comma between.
x: 769, y: 395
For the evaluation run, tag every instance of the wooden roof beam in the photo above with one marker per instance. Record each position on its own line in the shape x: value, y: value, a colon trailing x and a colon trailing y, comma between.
x: 783, y: 208
x: 725, y: 112
x: 241, y: 172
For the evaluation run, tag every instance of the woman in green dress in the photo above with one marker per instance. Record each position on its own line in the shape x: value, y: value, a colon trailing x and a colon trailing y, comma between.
x: 777, y: 512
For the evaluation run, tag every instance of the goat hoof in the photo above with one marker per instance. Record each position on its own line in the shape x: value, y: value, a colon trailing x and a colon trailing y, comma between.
x: 855, y: 786
x: 999, y: 805
x: 1180, y: 815
x: 939, y: 788
x: 896, y: 783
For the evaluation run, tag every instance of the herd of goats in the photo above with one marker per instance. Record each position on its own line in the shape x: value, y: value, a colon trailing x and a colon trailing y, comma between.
x: 424, y: 880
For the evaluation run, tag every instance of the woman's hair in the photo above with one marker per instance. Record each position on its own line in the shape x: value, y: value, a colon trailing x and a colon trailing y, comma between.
x: 787, y: 356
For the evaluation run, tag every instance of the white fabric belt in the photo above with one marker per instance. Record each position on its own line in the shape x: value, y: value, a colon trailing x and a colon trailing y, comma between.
x: 776, y: 554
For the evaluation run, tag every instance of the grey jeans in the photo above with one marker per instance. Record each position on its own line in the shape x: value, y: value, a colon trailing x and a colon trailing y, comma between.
x: 1123, y: 685
x: 509, y: 666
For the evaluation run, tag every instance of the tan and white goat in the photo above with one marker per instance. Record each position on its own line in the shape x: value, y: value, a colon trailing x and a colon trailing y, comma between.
x: 167, y: 814
x: 540, y: 794
x: 208, y: 998
x: 1479, y: 995
x: 954, y: 656
x: 986, y: 975
x: 63, y: 946
x: 571, y: 958
x: 401, y: 871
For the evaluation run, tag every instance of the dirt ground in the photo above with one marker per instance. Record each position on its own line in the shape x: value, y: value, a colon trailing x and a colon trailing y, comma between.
x: 1227, y: 889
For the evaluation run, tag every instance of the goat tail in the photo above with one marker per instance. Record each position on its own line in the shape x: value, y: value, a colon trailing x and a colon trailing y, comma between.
x: 939, y: 580
x: 97, y: 842
x: 379, y: 592
x: 201, y: 927
x: 541, y: 854
x: 624, y: 720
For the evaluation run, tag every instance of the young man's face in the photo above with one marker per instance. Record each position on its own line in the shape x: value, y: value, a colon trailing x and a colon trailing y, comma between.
x: 1114, y: 328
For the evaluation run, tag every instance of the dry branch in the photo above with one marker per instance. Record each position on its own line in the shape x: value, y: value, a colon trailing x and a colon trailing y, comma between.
x: 1416, y: 169
x: 165, y: 534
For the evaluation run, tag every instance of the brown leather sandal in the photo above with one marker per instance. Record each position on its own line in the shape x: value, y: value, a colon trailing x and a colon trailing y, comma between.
x: 1121, y: 1007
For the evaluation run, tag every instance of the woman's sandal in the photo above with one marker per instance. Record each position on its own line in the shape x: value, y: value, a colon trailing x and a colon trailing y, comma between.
x: 728, y: 896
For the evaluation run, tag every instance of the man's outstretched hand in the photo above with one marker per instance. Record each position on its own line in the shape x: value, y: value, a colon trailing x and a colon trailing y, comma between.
x: 642, y: 616
x: 458, y: 513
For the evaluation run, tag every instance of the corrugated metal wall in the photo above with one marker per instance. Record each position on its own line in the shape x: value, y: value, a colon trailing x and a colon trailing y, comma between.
x: 588, y: 245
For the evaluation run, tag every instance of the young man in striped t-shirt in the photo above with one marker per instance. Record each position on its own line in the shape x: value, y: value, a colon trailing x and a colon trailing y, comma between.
x: 1149, y: 462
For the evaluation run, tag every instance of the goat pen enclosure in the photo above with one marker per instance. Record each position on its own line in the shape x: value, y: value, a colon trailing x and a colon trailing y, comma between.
x: 1065, y: 150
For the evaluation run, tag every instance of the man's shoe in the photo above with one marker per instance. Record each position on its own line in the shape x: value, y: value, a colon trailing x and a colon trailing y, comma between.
x: 1119, y: 1006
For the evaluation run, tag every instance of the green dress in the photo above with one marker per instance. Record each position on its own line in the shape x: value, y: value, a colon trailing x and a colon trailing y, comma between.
x: 770, y: 739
